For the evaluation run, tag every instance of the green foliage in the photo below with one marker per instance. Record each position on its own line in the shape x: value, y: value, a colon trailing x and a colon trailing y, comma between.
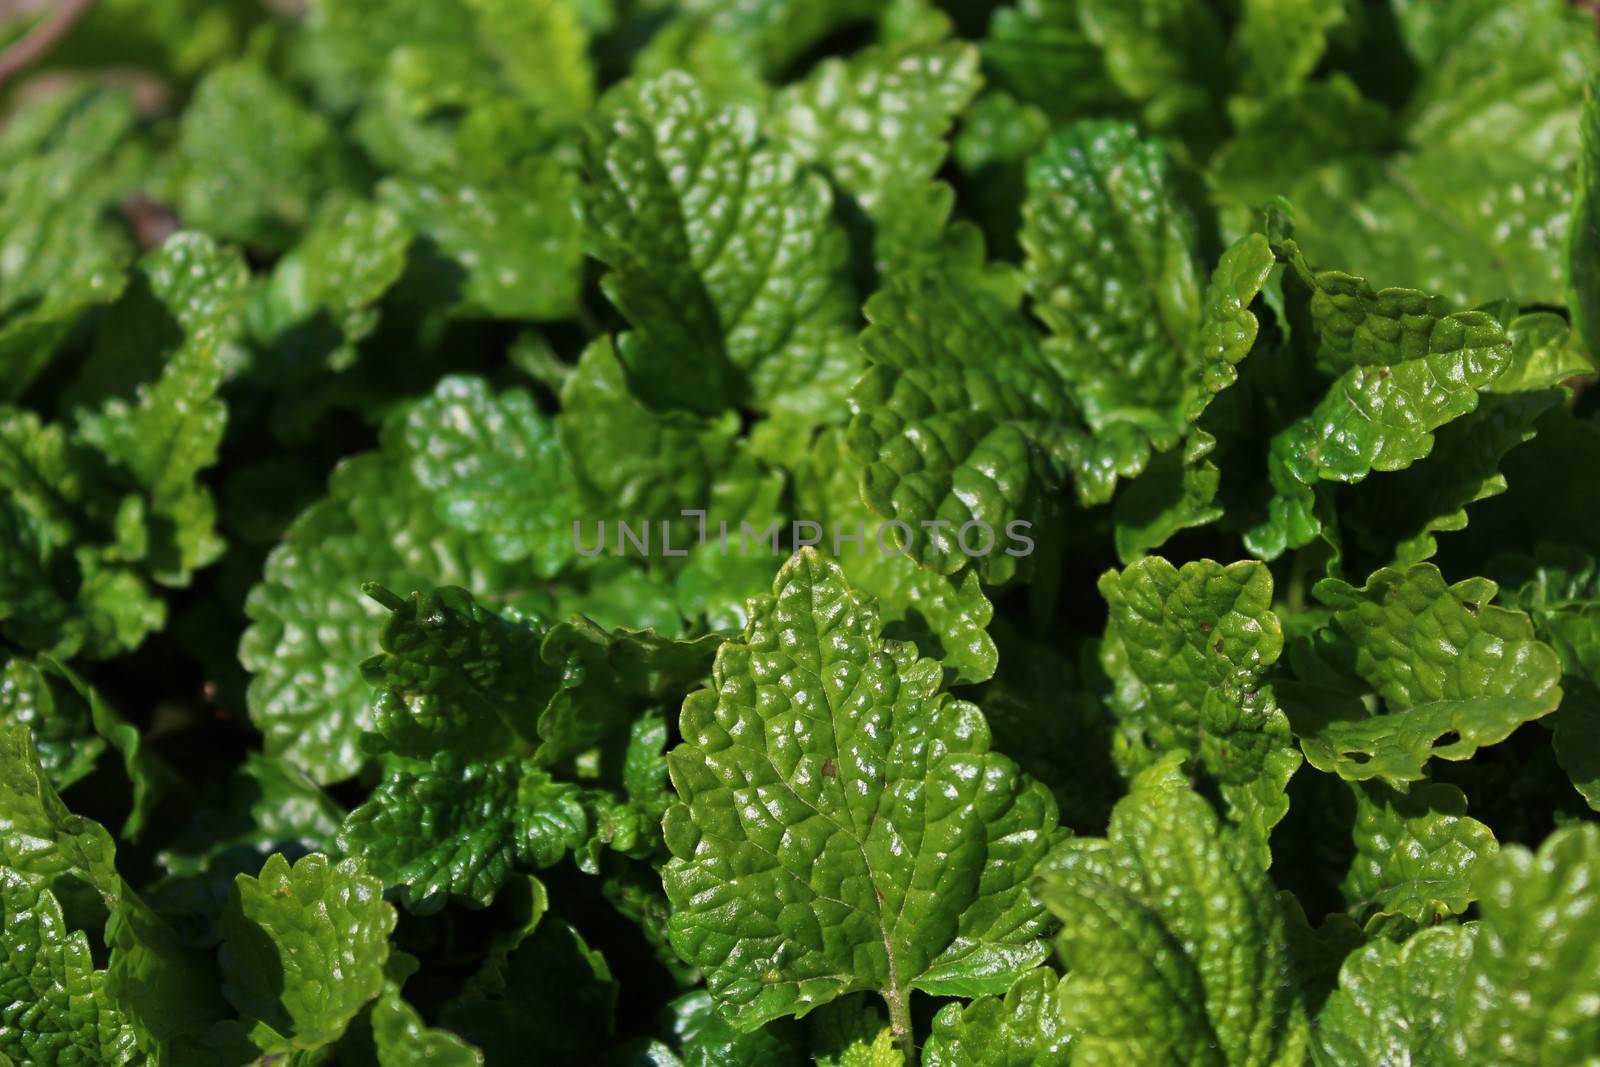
x: 838, y: 532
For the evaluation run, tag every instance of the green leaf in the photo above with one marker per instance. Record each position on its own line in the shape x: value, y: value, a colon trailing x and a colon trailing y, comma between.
x: 608, y: 678
x: 1165, y: 54
x: 57, y: 1010
x: 1188, y: 651
x: 1394, y: 1000
x: 63, y: 161
x: 948, y: 617
x: 1180, y: 488
x: 1111, y: 270
x: 455, y: 677
x: 852, y: 1032
x: 1278, y: 42
x: 252, y: 159
x: 443, y: 831
x: 720, y: 246
x: 1025, y: 1028
x: 889, y: 848
x: 1416, y: 852
x: 311, y: 626
x: 1452, y: 672
x: 877, y: 124
x: 948, y: 435
x: 1583, y: 245
x: 321, y: 299
x: 303, y: 950
x: 31, y: 695
x: 1528, y: 993
x: 400, y: 1038
x: 1038, y: 51
x: 157, y: 441
x: 640, y: 466
x: 703, y: 1038
x: 498, y: 469
x: 513, y: 247
x: 1406, y: 367
x: 1174, y: 944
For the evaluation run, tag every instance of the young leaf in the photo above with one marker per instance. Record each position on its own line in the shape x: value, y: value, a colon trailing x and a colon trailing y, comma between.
x: 1188, y: 652
x: 843, y: 825
x: 1453, y: 673
x: 1529, y: 991
x: 1174, y: 944
x: 1416, y: 852
x: 1394, y: 1000
x: 303, y: 950
x: 719, y: 246
x: 1026, y: 1026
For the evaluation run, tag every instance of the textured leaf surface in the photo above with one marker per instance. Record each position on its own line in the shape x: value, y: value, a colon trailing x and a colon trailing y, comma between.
x: 1394, y: 1000
x: 53, y: 1002
x: 1453, y: 673
x: 1025, y: 1028
x: 497, y: 468
x: 1530, y: 990
x: 843, y: 824
x: 1416, y: 852
x: 304, y: 949
x: 944, y: 616
x: 949, y: 435
x: 720, y: 246
x: 312, y: 627
x: 1173, y: 942
x: 1188, y: 652
x: 1111, y: 270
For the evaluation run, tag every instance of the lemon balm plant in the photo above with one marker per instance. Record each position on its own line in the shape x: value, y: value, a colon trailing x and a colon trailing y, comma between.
x: 1102, y: 543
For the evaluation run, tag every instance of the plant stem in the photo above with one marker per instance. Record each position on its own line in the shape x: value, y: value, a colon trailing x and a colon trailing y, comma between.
x: 900, y: 1023
x: 39, y: 40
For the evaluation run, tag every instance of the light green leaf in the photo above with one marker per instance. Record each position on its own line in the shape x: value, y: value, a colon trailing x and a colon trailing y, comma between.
x: 882, y: 847
x: 514, y: 245
x: 57, y: 1009
x: 947, y: 617
x: 1529, y: 993
x: 497, y: 469
x: 63, y: 161
x: 643, y: 467
x: 1406, y: 367
x: 1416, y: 852
x: 1038, y: 50
x: 1394, y: 1000
x: 303, y: 950
x: 401, y: 1038
x: 1583, y: 245
x: 877, y: 124
x: 321, y: 299
x: 158, y: 440
x: 252, y: 159
x: 1452, y: 672
x: 723, y: 255
x: 1164, y: 53
x: 1174, y: 944
x: 1111, y: 270
x: 312, y: 627
x: 947, y: 434
x: 1025, y: 1028
x: 1279, y: 42
x: 1188, y: 652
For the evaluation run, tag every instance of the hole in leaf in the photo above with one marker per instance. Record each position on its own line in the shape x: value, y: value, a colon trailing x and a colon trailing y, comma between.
x: 1358, y: 757
x: 1449, y: 737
